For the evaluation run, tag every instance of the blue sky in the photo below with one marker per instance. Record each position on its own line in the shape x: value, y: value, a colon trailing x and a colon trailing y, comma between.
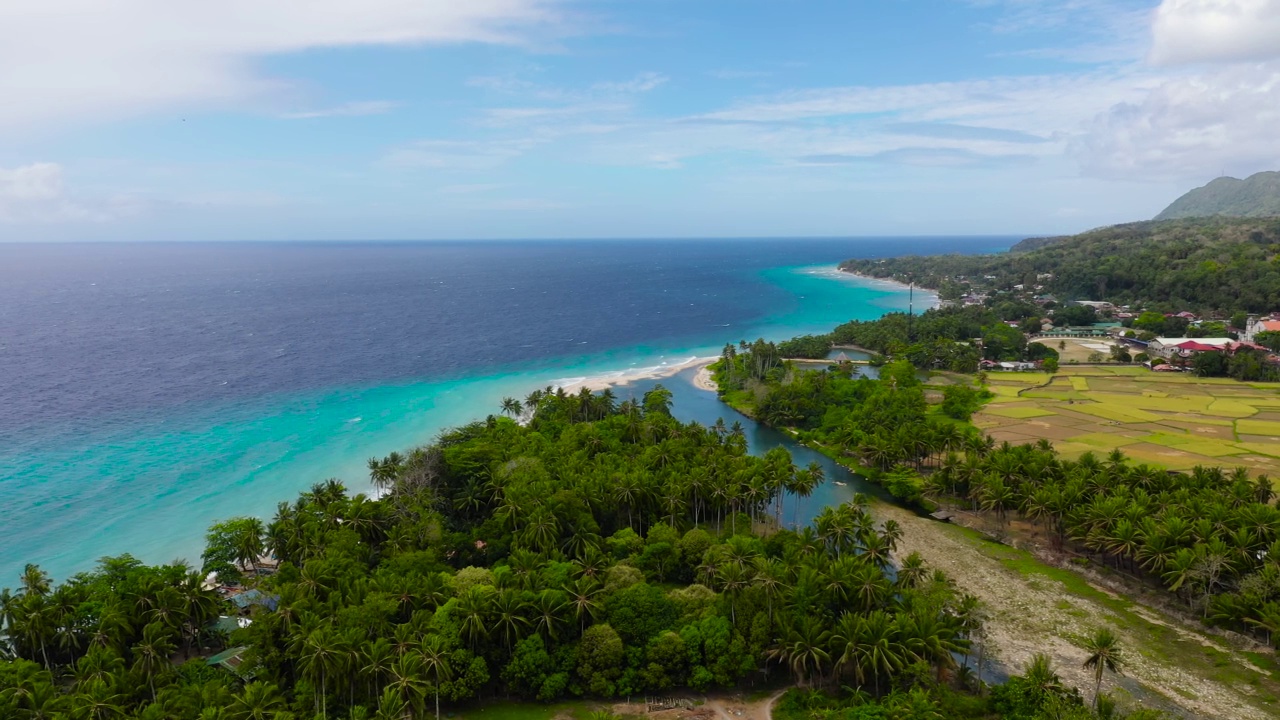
x: 402, y: 119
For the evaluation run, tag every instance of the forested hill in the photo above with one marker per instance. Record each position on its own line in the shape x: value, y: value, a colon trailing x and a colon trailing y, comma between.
x: 1224, y: 264
x: 1256, y: 196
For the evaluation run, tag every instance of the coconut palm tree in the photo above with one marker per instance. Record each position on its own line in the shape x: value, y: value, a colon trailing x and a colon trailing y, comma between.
x: 1104, y: 654
x: 584, y: 597
x: 257, y: 701
x: 151, y: 655
x: 435, y: 660
x: 508, y: 617
x: 321, y: 657
x: 376, y: 660
x: 407, y: 681
x: 881, y: 650
x: 97, y: 700
x: 803, y: 649
x: 511, y: 407
x: 35, y: 581
x: 549, y: 609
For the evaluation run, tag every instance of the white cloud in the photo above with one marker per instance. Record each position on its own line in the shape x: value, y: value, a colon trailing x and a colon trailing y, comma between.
x: 31, y: 183
x: 457, y: 154
x: 1033, y: 104
x: 1189, y: 31
x: 1191, y: 127
x: 35, y: 194
x: 991, y: 121
x: 642, y: 83
x: 526, y: 116
x: 351, y: 109
x: 69, y: 60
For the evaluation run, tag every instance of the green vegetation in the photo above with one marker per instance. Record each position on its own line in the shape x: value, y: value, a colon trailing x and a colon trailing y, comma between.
x: 1245, y: 364
x: 1217, y: 264
x: 883, y: 424
x: 938, y: 339
x: 1256, y: 196
x: 1174, y: 420
x: 1211, y: 537
x: 602, y: 550
x: 1037, y: 694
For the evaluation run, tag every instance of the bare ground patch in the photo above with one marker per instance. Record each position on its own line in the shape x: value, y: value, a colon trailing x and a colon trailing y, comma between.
x: 1033, y: 613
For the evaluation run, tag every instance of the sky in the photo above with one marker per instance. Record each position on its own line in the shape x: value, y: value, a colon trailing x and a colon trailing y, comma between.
x: 423, y: 119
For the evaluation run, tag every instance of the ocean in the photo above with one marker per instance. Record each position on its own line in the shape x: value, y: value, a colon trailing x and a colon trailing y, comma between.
x: 151, y: 389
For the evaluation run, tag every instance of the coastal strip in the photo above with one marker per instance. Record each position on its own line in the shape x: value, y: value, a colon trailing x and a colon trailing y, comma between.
x: 704, y: 381
x: 931, y: 299
x: 622, y: 378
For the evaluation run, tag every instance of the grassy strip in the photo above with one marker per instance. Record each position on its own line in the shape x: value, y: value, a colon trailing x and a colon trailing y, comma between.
x: 1159, y: 642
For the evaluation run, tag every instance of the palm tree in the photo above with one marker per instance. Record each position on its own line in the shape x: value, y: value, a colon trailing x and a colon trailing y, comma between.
x: 1040, y: 675
x: 42, y: 701
x: 508, y: 617
x: 511, y: 407
x: 377, y: 658
x: 320, y: 658
x: 882, y: 652
x: 1104, y: 654
x: 98, y: 665
x: 248, y: 544
x: 912, y: 571
x: 35, y: 581
x: 257, y: 701
x: 152, y: 654
x: 803, y: 485
x: 770, y: 577
x: 473, y: 611
x: 435, y: 659
x: 407, y: 681
x: 584, y: 596
x: 549, y: 609
x: 97, y: 700
x: 844, y: 639
x: 803, y: 649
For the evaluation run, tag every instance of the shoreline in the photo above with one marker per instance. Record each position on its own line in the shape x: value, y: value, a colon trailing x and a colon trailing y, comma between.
x: 703, y: 380
x: 623, y: 378
x: 346, y: 425
x: 932, y: 295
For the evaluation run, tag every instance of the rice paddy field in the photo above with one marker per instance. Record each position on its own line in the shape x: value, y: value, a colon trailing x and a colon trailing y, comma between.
x: 1174, y: 420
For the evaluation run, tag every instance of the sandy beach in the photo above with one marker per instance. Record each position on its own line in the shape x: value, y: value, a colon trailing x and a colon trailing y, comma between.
x: 930, y: 297
x: 703, y: 380
x: 622, y: 378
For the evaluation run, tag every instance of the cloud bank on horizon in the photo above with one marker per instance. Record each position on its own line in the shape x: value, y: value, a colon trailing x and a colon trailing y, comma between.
x: 330, y: 119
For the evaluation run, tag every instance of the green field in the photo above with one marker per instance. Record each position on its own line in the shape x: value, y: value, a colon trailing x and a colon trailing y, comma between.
x: 1174, y: 420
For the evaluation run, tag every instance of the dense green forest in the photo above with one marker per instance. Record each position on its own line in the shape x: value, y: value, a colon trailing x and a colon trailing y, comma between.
x: 602, y: 550
x: 1256, y: 196
x: 1206, y: 265
x: 1211, y: 537
x: 953, y: 338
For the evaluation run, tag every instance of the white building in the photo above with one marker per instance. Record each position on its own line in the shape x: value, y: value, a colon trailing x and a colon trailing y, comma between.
x: 1167, y: 347
x: 1257, y: 325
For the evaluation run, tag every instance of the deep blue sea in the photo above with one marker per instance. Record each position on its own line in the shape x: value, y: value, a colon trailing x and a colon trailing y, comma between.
x: 150, y: 389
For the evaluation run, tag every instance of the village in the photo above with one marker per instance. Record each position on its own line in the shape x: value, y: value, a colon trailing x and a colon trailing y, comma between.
x: 1092, y: 332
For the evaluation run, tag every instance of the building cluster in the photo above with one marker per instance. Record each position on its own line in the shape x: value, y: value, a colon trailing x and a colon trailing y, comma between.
x: 1114, y: 326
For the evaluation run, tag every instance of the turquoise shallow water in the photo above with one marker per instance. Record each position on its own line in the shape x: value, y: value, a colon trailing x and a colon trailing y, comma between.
x: 150, y: 485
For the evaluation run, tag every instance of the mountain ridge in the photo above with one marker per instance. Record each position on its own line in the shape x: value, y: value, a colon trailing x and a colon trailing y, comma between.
x: 1254, y: 197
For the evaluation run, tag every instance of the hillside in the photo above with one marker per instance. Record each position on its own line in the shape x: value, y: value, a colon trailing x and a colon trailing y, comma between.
x: 1256, y: 196
x: 1222, y: 264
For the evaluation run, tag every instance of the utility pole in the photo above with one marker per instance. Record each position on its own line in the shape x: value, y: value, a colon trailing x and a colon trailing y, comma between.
x: 911, y: 314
